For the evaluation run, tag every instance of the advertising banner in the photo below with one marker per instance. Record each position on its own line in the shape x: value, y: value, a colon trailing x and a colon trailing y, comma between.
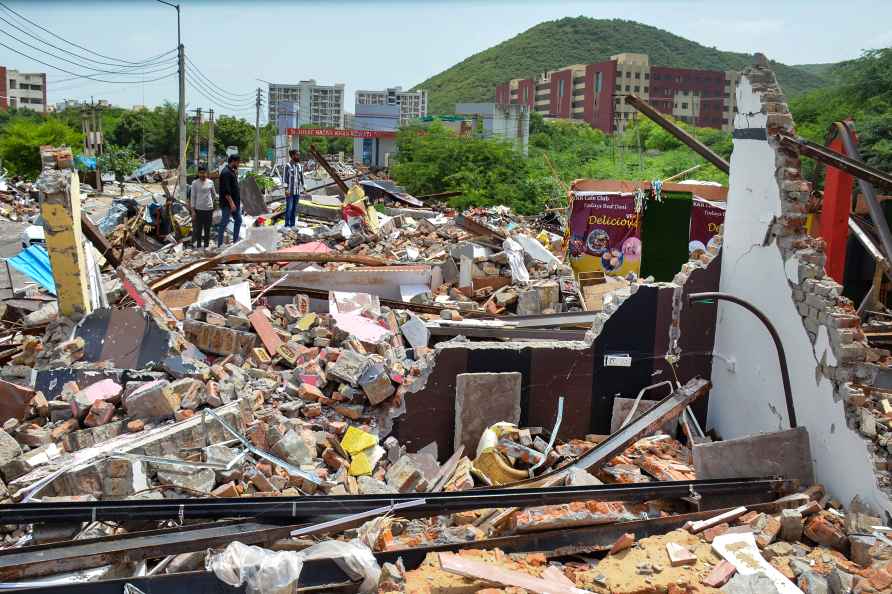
x: 340, y: 133
x: 605, y: 234
x: 706, y: 220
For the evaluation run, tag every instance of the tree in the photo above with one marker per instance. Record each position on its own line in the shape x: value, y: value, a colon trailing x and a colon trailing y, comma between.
x: 119, y: 160
x: 22, y: 137
x: 232, y: 131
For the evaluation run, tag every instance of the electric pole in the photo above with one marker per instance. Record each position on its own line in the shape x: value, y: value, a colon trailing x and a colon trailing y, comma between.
x: 211, y: 152
x: 257, y: 133
x: 181, y: 114
x: 197, y: 139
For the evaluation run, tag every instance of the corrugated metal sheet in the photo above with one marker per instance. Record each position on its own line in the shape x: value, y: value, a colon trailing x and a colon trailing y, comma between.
x: 34, y: 262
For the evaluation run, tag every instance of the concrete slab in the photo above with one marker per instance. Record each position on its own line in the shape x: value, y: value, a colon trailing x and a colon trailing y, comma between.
x: 482, y: 399
x: 783, y: 453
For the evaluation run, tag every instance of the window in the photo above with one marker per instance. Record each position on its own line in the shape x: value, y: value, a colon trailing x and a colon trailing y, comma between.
x: 628, y: 89
x: 619, y: 74
x: 619, y: 87
x: 12, y: 83
x: 628, y: 75
x: 599, y: 79
x: 645, y: 89
x: 685, y: 93
x: 647, y: 76
x: 561, y: 84
x: 526, y: 94
x: 684, y: 105
x: 637, y: 89
x: 637, y: 75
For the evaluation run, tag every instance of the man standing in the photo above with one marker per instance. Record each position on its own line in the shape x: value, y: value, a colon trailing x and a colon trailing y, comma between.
x: 294, y: 186
x: 202, y: 197
x: 230, y: 200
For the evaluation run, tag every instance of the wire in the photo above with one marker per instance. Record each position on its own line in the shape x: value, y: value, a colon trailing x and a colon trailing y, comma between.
x: 121, y: 82
x: 214, y: 85
x: 23, y: 17
x: 99, y: 70
x: 204, y: 92
x: 149, y: 62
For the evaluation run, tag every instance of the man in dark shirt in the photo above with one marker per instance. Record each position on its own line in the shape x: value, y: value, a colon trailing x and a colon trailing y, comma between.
x: 230, y: 200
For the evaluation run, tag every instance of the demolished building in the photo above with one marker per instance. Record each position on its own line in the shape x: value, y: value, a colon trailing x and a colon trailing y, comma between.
x: 647, y: 453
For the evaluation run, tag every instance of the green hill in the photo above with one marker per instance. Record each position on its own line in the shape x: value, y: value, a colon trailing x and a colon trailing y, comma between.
x: 583, y: 40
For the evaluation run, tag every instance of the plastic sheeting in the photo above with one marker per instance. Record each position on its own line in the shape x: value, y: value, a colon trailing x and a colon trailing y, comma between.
x: 34, y: 262
x: 267, y: 571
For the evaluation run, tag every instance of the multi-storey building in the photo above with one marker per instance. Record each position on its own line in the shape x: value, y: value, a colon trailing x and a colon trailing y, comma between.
x: 413, y: 104
x: 22, y: 90
x: 595, y: 93
x: 319, y: 105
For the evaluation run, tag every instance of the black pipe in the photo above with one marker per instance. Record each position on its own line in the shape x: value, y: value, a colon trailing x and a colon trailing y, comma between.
x: 781, y: 356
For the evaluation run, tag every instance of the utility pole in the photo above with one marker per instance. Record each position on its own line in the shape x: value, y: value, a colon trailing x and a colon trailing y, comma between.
x: 257, y: 133
x: 211, y: 152
x: 197, y: 139
x: 181, y: 115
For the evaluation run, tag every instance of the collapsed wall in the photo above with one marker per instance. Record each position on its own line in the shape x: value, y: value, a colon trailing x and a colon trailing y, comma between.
x: 642, y: 321
x: 770, y: 261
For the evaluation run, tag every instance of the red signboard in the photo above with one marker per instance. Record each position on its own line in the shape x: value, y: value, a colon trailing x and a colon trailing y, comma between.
x: 340, y: 133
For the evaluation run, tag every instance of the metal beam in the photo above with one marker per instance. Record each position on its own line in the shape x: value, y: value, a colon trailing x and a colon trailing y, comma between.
x: 328, y: 168
x: 186, y: 272
x: 507, y: 332
x: 322, y: 572
x: 60, y: 557
x: 678, y: 132
x: 832, y: 158
x: 303, y: 509
x: 647, y: 422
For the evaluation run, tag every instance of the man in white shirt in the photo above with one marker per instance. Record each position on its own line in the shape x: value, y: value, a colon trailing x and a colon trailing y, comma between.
x: 202, y: 204
x: 294, y: 186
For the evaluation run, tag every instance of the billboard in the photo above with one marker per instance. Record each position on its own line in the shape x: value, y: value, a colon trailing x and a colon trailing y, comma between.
x: 605, y: 234
x: 340, y: 133
x: 707, y: 219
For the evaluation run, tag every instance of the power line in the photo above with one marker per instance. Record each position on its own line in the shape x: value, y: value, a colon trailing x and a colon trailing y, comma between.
x: 23, y: 17
x: 200, y: 86
x: 213, y: 85
x: 98, y: 70
x: 119, y: 82
x: 149, y: 62
x: 218, y: 101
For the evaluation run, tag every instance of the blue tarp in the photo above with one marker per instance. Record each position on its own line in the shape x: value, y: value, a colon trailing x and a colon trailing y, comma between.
x: 88, y: 162
x: 34, y: 262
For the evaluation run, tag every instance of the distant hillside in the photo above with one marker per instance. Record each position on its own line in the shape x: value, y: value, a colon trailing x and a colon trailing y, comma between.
x: 821, y: 70
x: 583, y: 40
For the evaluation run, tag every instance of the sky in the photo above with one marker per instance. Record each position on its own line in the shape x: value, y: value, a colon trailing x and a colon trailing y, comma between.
x: 369, y: 44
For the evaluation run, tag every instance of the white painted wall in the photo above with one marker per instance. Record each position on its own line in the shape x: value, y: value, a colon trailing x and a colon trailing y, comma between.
x: 750, y: 398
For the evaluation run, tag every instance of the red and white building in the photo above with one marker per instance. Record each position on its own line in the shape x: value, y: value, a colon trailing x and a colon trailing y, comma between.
x: 22, y: 90
x: 594, y: 93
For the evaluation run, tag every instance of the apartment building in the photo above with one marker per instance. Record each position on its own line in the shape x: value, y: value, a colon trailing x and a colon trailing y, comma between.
x: 595, y: 93
x: 413, y: 104
x: 22, y: 90
x: 320, y: 105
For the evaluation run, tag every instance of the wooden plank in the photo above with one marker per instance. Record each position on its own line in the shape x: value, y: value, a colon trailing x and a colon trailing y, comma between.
x: 99, y: 240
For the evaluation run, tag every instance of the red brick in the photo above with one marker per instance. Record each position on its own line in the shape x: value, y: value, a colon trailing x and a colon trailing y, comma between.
x: 622, y: 543
x: 719, y: 575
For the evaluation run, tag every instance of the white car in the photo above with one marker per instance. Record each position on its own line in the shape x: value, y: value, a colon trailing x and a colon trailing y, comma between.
x: 33, y: 233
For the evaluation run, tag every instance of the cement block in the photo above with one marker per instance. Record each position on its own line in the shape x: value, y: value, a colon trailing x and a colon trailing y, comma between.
x: 783, y: 453
x: 482, y: 399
